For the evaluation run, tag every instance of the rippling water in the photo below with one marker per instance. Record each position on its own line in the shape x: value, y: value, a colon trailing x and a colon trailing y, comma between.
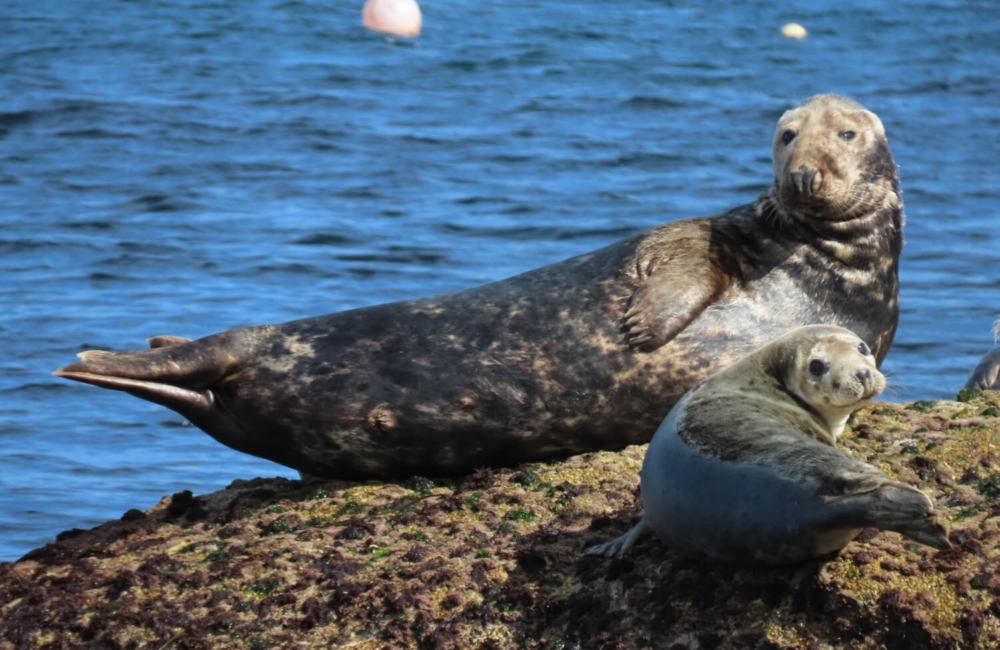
x: 190, y: 166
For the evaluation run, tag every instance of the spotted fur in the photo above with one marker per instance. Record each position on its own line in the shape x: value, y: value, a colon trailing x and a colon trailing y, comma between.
x: 586, y: 354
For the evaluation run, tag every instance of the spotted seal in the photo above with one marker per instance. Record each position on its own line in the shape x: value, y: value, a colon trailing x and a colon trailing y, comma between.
x: 986, y: 375
x: 584, y: 354
x: 745, y: 468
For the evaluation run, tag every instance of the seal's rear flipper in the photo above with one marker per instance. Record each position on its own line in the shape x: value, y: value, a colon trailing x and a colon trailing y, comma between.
x: 177, y: 373
x: 192, y: 365
x: 174, y: 397
x: 906, y: 510
x: 897, y: 507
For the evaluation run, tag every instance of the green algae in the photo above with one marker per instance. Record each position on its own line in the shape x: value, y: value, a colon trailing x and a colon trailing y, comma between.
x: 921, y: 406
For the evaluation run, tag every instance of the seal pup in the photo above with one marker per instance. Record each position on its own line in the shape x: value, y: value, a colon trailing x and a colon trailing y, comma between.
x: 986, y: 376
x: 745, y: 467
x: 585, y: 354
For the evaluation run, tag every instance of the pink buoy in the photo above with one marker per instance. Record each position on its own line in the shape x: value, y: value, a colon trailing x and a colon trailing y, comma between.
x: 396, y: 17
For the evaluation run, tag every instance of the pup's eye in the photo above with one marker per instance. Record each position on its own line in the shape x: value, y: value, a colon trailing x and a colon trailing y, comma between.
x: 863, y: 349
x: 847, y: 135
x: 817, y: 368
x: 789, y: 135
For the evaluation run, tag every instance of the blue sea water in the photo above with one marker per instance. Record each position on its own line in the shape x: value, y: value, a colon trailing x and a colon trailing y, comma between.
x: 190, y: 166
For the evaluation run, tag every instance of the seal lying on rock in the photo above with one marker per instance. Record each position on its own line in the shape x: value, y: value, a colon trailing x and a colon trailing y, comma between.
x: 585, y: 354
x: 986, y: 375
x: 745, y: 467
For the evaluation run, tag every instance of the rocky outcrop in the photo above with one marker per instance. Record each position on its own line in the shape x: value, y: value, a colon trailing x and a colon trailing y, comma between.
x: 493, y: 561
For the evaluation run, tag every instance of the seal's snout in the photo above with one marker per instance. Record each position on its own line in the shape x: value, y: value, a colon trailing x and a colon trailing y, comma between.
x: 868, y: 383
x: 806, y: 180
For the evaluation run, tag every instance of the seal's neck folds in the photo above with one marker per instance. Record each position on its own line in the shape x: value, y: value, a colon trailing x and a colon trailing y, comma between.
x: 864, y: 239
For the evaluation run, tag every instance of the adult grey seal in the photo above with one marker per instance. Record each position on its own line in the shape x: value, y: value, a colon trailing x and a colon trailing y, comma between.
x: 745, y: 467
x: 585, y: 354
x: 986, y: 376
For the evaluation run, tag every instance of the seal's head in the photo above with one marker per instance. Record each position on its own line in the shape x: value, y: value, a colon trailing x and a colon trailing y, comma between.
x: 829, y: 369
x: 832, y: 160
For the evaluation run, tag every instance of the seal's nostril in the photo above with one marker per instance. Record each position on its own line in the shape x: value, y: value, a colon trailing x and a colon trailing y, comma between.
x: 806, y: 180
x: 817, y: 181
x: 797, y: 181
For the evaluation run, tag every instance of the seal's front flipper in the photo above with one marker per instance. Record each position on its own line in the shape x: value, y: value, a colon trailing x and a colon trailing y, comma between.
x: 986, y: 376
x: 676, y: 279
x: 897, y: 507
x: 619, y: 547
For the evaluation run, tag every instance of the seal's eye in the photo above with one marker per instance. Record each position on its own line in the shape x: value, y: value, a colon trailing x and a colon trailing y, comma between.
x: 787, y: 136
x: 817, y: 368
x: 847, y: 135
x: 863, y: 349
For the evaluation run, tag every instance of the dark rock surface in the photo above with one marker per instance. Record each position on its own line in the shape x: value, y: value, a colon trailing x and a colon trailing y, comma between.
x: 493, y: 561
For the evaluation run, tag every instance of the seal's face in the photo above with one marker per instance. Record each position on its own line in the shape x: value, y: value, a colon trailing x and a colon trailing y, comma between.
x: 831, y: 159
x: 834, y: 374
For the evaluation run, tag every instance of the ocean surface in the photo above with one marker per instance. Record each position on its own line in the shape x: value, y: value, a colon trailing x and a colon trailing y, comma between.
x: 191, y: 166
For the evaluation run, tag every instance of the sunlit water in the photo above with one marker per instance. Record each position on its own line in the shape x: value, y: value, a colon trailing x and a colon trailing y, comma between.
x: 186, y: 167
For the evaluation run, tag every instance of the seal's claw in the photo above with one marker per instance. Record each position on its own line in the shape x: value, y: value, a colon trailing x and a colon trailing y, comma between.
x: 930, y: 532
x: 620, y: 546
x: 607, y: 549
x: 637, y: 342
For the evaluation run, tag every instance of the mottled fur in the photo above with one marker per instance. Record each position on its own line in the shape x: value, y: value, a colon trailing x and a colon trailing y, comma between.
x: 589, y: 353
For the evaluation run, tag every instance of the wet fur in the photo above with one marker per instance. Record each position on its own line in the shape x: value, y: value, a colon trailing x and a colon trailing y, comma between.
x: 586, y: 354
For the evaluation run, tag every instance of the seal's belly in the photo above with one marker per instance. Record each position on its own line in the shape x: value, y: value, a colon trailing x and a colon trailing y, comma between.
x: 731, y: 328
x: 770, y: 307
x: 730, y: 511
x: 750, y: 316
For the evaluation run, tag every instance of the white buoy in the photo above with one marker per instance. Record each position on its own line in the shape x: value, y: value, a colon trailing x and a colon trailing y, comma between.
x: 794, y: 30
x: 396, y: 17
